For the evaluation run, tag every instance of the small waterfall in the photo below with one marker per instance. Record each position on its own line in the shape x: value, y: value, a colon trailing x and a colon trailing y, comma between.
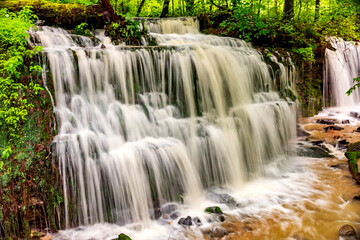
x: 139, y: 127
x: 342, y: 65
x: 174, y: 25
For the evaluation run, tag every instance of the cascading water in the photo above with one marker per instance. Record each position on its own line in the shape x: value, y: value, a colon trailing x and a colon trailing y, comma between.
x: 342, y: 65
x: 143, y: 126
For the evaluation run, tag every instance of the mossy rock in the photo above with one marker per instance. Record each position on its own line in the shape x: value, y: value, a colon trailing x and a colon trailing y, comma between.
x: 354, y: 147
x: 60, y: 14
x: 122, y: 236
x: 352, y: 154
x: 215, y: 209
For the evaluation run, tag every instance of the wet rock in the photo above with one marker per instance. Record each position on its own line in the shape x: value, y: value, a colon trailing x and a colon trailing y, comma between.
x: 175, y: 215
x: 358, y: 129
x: 197, y: 221
x: 301, y: 132
x: 345, y: 121
x: 335, y: 128
x: 357, y: 198
x: 157, y: 213
x: 347, y: 231
x: 219, y: 232
x: 221, y: 198
x: 122, y: 236
x: 355, y: 114
x: 168, y: 208
x: 102, y: 46
x: 354, y: 147
x: 341, y: 166
x: 214, y: 209
x: 326, y: 121
x: 342, y: 144
x: 317, y: 142
x: 313, y: 151
x: 185, y: 221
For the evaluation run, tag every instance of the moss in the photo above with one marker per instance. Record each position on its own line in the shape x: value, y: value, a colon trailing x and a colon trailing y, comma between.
x: 60, y: 14
x: 352, y: 160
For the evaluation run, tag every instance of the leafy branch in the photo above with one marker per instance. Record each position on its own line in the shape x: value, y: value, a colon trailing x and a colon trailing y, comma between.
x: 356, y: 85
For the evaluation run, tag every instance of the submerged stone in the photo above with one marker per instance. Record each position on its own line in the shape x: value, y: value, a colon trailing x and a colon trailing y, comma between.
x: 347, y: 231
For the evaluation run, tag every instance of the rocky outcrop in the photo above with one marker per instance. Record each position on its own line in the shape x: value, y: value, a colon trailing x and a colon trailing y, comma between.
x: 353, y: 155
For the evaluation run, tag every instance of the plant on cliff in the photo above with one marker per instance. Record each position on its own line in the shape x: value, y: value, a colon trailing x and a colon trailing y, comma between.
x: 26, y: 171
x: 356, y: 85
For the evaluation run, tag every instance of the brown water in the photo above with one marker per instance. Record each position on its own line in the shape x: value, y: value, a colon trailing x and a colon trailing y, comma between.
x: 319, y: 215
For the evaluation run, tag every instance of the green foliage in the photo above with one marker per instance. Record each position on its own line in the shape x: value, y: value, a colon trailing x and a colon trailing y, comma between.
x: 306, y: 54
x: 83, y: 29
x: 14, y: 105
x: 356, y: 85
x: 248, y: 24
x: 128, y: 30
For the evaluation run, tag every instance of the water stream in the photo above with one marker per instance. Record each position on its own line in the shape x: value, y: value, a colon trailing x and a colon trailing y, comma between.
x: 148, y: 135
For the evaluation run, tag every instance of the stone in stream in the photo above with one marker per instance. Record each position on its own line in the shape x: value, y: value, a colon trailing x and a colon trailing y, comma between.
x: 168, y: 208
x: 185, y: 221
x: 347, y: 232
x: 214, y: 209
x: 335, y: 128
x: 345, y: 121
x: 342, y: 144
x: 122, y: 236
x: 221, y: 198
x: 326, y: 121
x: 175, y: 215
x: 313, y: 151
x: 355, y: 114
x: 358, y: 129
x: 301, y: 132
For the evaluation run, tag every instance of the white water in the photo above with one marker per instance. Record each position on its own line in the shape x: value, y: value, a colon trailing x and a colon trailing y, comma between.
x: 340, y: 68
x: 140, y: 127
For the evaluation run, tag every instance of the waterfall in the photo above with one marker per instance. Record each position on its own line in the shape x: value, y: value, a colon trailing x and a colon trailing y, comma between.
x: 142, y: 126
x: 342, y: 65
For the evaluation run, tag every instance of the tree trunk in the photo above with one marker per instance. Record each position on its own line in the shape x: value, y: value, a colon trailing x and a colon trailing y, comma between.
x: 288, y: 10
x: 109, y: 12
x: 165, y: 9
x: 140, y: 7
x: 317, y: 9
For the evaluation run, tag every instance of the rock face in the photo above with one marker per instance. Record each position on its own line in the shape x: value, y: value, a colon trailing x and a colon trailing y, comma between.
x: 347, y: 232
x: 353, y: 154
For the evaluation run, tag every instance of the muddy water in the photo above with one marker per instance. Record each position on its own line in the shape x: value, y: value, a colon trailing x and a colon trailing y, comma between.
x: 318, y: 216
x: 327, y: 202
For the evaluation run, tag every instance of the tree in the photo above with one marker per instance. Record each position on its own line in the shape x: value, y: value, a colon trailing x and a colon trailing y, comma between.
x: 288, y: 10
x: 317, y: 9
x: 165, y: 9
x: 140, y: 7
